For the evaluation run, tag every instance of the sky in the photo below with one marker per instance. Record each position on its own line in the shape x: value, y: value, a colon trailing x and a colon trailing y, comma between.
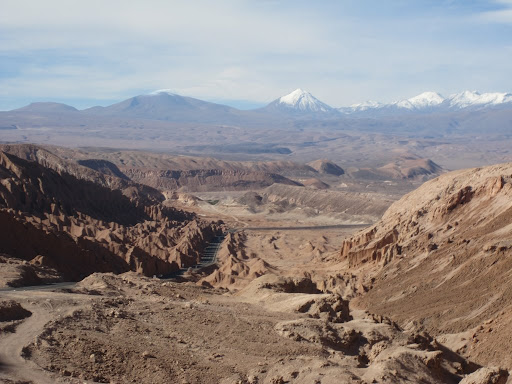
x: 246, y: 53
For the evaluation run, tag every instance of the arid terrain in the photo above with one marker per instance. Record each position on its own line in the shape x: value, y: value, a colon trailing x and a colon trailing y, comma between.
x: 255, y: 192
x: 325, y: 274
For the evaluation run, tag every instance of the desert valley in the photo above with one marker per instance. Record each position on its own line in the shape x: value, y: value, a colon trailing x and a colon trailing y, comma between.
x: 165, y: 239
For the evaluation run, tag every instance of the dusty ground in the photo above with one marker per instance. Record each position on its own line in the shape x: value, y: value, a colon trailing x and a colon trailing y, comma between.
x: 141, y: 330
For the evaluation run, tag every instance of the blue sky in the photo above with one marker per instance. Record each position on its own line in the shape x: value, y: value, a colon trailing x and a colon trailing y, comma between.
x: 97, y: 52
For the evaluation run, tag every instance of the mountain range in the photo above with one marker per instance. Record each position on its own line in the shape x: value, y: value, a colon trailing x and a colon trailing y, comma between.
x: 163, y: 105
x: 163, y: 120
x: 429, y: 102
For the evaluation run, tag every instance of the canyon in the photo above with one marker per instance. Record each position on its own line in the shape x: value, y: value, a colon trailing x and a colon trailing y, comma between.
x: 326, y: 273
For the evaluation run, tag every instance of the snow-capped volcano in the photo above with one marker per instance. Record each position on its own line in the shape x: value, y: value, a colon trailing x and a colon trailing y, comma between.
x: 159, y: 91
x: 300, y: 101
x: 432, y: 102
x: 303, y: 101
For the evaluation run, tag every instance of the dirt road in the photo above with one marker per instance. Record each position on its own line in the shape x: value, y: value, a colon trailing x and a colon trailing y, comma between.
x: 45, y: 306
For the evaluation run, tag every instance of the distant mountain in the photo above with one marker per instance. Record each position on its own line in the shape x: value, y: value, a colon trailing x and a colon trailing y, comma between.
x: 47, y: 107
x: 425, y: 100
x: 430, y: 102
x: 167, y: 106
x: 300, y: 102
x: 475, y: 100
x: 428, y: 114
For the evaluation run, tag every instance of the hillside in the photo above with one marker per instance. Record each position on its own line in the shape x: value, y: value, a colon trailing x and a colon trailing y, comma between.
x: 325, y: 166
x: 47, y: 107
x: 142, y: 173
x: 439, y: 260
x: 206, y: 179
x: 107, y: 175
x: 80, y: 227
x: 404, y: 166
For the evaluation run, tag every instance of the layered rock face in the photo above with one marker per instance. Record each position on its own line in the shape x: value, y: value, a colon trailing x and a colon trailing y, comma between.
x: 440, y: 260
x: 81, y: 227
x: 206, y: 179
x: 103, y: 173
x: 355, y: 207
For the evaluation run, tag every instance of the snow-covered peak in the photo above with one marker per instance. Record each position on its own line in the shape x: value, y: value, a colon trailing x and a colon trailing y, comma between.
x: 472, y: 98
x: 426, y: 99
x: 361, y: 107
x: 294, y: 97
x: 303, y: 101
x: 366, y: 105
x: 159, y: 91
x: 431, y: 101
x: 421, y: 101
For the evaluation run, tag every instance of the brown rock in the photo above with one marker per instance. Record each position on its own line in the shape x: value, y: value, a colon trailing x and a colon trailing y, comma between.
x: 12, y: 310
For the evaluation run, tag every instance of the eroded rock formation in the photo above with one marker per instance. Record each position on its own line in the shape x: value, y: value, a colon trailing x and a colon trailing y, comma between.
x: 439, y: 260
x: 237, y: 268
x: 82, y: 227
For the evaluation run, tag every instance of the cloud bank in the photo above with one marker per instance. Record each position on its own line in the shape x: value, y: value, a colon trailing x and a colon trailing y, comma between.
x: 89, y: 52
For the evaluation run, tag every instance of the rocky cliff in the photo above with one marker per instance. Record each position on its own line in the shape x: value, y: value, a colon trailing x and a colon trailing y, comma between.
x: 440, y: 260
x: 103, y: 173
x: 81, y: 227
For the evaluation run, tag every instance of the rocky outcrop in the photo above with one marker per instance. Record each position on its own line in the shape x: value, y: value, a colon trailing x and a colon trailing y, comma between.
x: 486, y: 376
x: 11, y: 310
x: 332, y: 309
x: 16, y: 272
x: 439, y: 260
x: 80, y: 227
x: 236, y: 267
x: 293, y: 285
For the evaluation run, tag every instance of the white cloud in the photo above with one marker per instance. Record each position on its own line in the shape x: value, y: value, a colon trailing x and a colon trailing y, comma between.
x: 220, y: 25
x: 240, y: 49
x: 503, y: 15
